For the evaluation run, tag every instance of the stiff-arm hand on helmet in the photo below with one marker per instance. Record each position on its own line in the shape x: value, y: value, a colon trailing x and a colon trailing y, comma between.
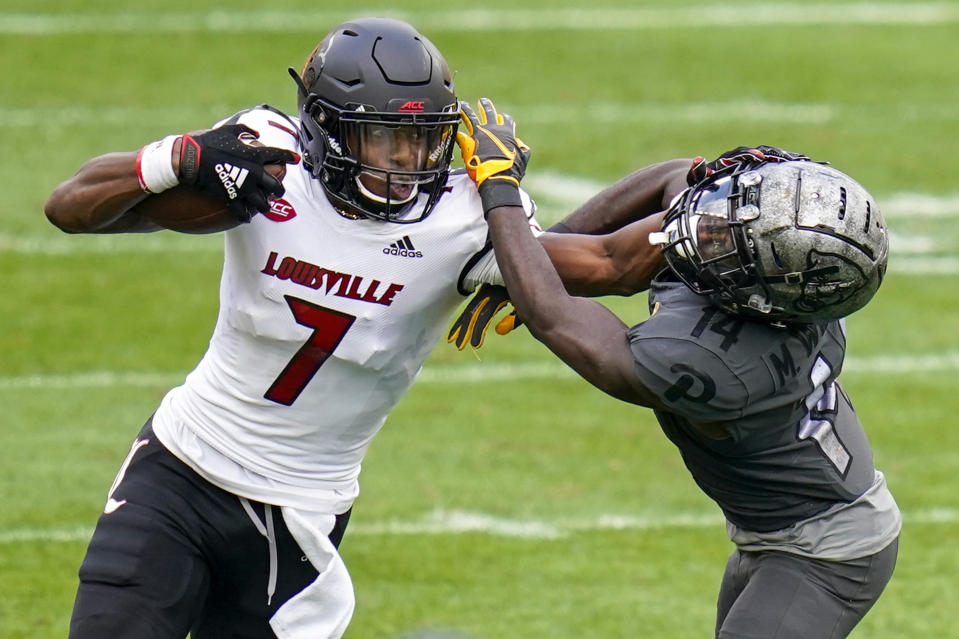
x: 701, y: 168
x: 495, y: 158
x: 471, y: 326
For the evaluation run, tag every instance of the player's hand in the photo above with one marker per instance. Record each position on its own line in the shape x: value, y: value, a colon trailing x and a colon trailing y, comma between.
x: 228, y: 163
x: 741, y: 155
x: 471, y: 326
x: 701, y: 168
x: 775, y: 154
x: 495, y: 158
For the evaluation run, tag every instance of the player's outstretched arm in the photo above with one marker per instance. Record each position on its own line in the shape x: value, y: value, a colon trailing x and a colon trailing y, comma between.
x: 615, y: 259
x: 96, y: 199
x: 619, y: 263
x: 642, y: 193
x: 583, y: 333
x: 103, y: 195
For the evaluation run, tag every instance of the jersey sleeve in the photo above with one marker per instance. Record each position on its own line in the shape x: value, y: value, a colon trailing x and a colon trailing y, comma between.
x: 482, y: 268
x: 692, y: 381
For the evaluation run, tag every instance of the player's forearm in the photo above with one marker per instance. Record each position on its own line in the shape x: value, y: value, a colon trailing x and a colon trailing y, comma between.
x: 638, y: 195
x: 580, y: 261
x: 633, y: 261
x: 618, y: 263
x: 533, y: 283
x: 586, y: 266
x: 96, y: 199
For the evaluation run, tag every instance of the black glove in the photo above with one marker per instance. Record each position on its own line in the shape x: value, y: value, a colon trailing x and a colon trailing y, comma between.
x: 472, y: 324
x: 701, y: 169
x: 494, y: 157
x: 225, y: 163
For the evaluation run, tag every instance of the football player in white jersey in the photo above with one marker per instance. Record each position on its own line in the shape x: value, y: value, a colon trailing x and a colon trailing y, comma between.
x: 338, y: 280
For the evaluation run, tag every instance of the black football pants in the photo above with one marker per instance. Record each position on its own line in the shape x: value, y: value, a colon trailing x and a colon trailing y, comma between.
x: 173, y: 554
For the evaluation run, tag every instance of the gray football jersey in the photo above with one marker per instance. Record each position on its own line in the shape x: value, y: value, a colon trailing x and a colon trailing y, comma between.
x: 756, y: 410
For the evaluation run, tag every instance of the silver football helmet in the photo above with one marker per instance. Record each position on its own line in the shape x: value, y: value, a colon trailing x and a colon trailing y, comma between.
x: 786, y: 242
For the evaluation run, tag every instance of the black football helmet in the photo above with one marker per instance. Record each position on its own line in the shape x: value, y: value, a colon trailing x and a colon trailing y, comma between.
x: 784, y: 242
x: 378, y: 117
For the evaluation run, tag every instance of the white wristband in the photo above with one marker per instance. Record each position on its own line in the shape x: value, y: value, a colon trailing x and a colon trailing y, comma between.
x: 155, y: 165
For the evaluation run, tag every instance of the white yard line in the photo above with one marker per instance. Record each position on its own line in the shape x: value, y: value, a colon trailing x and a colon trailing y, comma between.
x: 647, y: 112
x: 92, y: 379
x: 70, y: 117
x: 60, y: 244
x: 458, y: 374
x: 925, y: 266
x: 621, y: 113
x: 755, y: 110
x: 456, y: 522
x: 498, y: 19
x: 904, y: 205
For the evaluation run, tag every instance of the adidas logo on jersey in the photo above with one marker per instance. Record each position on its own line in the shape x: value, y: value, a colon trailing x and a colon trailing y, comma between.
x: 402, y: 247
x: 232, y: 178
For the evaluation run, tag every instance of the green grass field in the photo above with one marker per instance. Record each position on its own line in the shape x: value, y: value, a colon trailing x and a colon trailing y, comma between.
x: 504, y: 498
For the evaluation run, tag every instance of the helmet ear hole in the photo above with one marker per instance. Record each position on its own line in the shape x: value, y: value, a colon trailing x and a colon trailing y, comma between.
x: 775, y: 254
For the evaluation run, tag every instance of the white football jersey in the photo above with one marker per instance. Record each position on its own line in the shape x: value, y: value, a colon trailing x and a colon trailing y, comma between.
x: 324, y: 324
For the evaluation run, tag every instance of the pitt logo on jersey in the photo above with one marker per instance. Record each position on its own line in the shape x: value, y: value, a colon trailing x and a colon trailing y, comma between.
x: 335, y: 283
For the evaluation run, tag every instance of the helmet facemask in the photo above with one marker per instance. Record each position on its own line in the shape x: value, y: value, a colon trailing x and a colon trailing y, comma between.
x: 705, y: 243
x: 390, y: 161
x: 788, y: 242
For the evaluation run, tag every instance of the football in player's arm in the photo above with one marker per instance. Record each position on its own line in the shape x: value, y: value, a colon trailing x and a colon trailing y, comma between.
x: 767, y: 252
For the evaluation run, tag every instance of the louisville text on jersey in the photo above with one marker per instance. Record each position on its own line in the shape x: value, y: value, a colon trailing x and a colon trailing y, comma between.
x: 333, y: 282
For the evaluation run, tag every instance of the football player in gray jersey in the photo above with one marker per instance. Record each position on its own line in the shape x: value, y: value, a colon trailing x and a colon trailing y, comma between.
x: 767, y: 252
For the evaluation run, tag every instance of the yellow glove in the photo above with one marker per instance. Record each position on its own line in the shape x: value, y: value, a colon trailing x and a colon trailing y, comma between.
x: 472, y: 324
x: 495, y: 158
